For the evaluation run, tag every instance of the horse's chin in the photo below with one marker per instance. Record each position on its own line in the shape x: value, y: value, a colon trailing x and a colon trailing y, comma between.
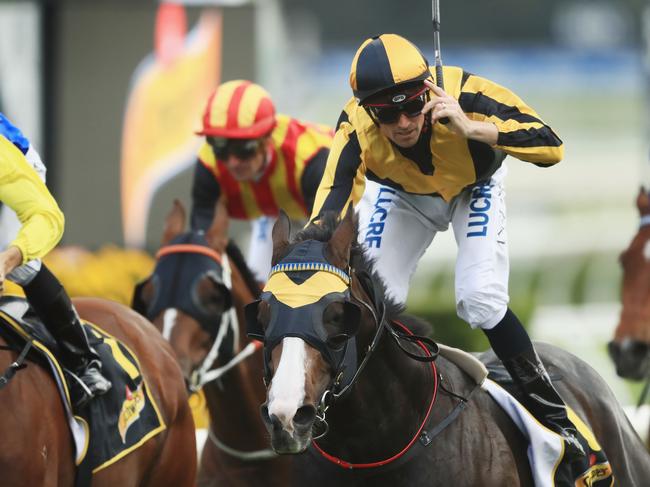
x: 284, y: 443
x: 631, y: 358
x: 633, y: 371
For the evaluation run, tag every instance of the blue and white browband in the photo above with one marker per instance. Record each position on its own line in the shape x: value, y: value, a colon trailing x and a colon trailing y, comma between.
x: 310, y: 266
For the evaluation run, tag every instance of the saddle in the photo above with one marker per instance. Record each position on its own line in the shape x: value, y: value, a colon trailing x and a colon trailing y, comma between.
x: 111, y: 425
x: 594, y: 470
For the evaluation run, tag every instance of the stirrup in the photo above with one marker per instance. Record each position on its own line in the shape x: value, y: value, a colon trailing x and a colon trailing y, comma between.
x: 93, y: 378
x: 87, y: 383
x: 80, y: 393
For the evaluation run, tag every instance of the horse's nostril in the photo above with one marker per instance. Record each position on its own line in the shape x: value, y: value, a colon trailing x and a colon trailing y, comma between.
x: 304, y: 417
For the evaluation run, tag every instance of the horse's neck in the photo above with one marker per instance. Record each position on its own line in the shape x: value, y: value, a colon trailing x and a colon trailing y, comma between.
x: 241, y: 296
x: 233, y: 401
x: 388, y: 403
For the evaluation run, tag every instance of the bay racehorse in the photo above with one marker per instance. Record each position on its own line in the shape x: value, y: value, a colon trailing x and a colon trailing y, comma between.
x: 36, y: 446
x: 345, y: 394
x: 195, y: 297
x: 630, y: 348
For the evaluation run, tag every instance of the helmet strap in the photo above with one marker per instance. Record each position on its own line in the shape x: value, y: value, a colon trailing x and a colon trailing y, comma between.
x: 371, y: 115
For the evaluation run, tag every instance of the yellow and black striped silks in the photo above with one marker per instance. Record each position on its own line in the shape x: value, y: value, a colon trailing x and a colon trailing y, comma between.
x: 383, y: 62
x: 447, y: 162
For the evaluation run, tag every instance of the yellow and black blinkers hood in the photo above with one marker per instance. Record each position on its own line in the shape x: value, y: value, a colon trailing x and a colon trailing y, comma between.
x: 299, y: 289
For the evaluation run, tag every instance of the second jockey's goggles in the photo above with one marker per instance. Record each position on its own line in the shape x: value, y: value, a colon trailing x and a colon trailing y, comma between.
x: 240, y: 148
x: 390, y: 112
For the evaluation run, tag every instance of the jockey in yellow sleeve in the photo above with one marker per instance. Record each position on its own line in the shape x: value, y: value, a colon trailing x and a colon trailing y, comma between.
x: 42, y: 222
x: 256, y: 162
x: 410, y: 176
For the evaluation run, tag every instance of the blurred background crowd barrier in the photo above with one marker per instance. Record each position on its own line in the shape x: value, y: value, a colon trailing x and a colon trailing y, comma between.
x: 111, y: 92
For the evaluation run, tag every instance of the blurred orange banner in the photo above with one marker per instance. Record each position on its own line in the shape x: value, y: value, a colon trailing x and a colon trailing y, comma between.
x: 163, y: 111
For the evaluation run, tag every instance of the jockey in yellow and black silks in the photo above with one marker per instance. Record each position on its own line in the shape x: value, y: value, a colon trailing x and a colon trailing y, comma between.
x: 257, y: 162
x: 23, y: 190
x: 410, y: 176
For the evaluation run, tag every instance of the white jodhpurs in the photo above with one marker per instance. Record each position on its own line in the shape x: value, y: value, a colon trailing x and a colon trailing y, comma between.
x: 260, y: 247
x: 396, y: 228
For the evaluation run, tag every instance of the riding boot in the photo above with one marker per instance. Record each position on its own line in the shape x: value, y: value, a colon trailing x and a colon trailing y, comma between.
x: 52, y: 304
x: 541, y: 398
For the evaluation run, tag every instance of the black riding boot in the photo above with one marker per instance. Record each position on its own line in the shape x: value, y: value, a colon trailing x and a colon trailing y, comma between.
x: 512, y: 345
x: 542, y: 399
x: 52, y: 304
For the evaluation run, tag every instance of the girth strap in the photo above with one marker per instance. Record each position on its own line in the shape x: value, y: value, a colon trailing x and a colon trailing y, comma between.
x: 427, y: 436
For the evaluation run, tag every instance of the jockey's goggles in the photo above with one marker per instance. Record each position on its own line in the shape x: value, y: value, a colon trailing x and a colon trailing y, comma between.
x: 240, y: 148
x: 390, y: 112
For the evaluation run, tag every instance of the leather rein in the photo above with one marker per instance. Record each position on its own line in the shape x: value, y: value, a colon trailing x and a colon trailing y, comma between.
x: 398, y: 332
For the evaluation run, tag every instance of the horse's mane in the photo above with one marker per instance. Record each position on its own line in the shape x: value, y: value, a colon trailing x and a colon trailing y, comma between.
x: 235, y: 255
x: 359, y: 261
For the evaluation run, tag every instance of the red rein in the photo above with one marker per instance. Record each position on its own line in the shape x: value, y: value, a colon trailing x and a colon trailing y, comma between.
x: 351, y: 466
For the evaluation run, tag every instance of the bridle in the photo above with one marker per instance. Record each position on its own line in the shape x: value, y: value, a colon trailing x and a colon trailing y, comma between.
x: 335, y: 392
x: 204, y: 373
x: 339, y: 386
x: 377, y: 309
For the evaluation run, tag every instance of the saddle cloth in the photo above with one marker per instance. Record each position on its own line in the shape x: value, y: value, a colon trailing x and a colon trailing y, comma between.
x: 546, y: 448
x: 111, y: 425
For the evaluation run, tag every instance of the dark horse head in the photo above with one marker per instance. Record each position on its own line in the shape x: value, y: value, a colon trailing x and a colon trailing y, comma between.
x: 319, y: 316
x: 189, y: 295
x: 630, y: 348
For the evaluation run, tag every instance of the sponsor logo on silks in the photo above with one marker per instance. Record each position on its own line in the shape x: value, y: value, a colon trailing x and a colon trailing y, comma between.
x: 595, y: 474
x: 376, y: 223
x: 399, y: 98
x: 131, y: 408
x: 479, y: 206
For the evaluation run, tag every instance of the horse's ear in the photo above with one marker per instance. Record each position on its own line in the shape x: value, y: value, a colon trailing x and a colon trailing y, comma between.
x: 643, y: 201
x: 340, y: 244
x: 174, y: 223
x: 280, y: 236
x: 217, y: 234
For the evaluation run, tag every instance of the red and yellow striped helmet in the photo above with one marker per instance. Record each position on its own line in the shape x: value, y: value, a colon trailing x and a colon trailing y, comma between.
x: 239, y: 109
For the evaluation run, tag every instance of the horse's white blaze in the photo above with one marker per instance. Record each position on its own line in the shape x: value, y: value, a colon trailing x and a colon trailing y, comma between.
x: 287, y: 391
x: 169, y: 321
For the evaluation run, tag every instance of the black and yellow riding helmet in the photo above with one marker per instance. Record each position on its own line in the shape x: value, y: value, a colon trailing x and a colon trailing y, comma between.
x: 383, y: 62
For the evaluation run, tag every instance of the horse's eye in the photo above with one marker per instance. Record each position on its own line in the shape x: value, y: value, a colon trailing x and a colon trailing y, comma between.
x: 211, y: 297
x: 333, y: 318
x: 341, y: 320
